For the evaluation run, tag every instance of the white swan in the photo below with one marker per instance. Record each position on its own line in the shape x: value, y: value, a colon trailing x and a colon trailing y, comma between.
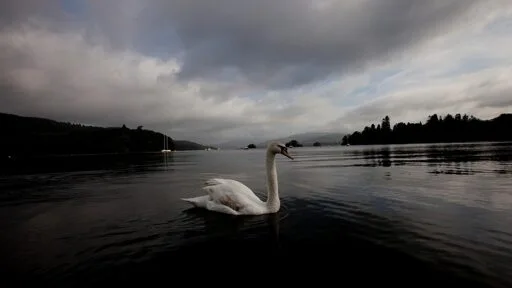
x: 232, y: 197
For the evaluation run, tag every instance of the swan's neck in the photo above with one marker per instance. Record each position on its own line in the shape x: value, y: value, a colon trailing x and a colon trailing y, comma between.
x: 273, y: 202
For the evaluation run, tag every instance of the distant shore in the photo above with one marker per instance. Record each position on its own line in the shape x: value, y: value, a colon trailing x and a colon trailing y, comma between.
x: 31, y: 136
x: 437, y: 129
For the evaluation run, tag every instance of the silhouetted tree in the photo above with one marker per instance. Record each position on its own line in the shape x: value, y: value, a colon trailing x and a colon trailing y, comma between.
x: 317, y: 144
x: 436, y: 129
x: 251, y: 146
x: 386, y: 124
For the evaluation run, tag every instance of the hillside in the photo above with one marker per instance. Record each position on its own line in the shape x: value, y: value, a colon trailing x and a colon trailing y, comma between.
x: 182, y: 145
x: 23, y: 136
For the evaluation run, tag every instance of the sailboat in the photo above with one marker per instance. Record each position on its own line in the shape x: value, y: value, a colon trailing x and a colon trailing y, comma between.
x: 166, y: 145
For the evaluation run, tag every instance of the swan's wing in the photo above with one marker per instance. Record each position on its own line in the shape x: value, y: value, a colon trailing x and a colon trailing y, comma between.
x: 231, y: 193
x: 220, y: 185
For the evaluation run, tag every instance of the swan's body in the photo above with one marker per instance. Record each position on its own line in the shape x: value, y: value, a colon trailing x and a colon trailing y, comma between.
x: 232, y: 197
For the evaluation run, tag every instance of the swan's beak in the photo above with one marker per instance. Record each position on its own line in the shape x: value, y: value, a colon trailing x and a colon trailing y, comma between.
x: 285, y: 153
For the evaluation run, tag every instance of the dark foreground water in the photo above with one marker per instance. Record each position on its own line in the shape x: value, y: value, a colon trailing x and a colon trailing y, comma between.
x: 408, y: 215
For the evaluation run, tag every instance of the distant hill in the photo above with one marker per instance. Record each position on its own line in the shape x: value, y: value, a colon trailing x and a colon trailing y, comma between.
x: 22, y: 136
x: 181, y: 145
x: 308, y: 139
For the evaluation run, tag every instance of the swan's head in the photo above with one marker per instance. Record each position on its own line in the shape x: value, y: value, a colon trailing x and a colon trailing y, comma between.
x: 279, y: 148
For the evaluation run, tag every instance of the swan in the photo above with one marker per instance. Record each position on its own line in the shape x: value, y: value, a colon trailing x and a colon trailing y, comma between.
x: 232, y: 197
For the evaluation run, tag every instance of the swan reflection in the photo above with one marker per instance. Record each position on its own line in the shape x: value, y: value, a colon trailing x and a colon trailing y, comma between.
x: 222, y: 225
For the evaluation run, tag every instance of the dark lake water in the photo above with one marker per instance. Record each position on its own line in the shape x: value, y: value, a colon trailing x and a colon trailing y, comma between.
x: 407, y: 215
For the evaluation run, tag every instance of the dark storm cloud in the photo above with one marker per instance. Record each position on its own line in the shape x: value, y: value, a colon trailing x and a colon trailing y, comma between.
x: 12, y: 11
x: 274, y: 44
x: 289, y: 42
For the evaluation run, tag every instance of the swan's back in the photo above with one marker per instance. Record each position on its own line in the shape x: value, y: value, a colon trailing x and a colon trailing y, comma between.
x: 237, y: 191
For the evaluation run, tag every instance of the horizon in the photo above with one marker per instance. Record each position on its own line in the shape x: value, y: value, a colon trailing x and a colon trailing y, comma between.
x: 333, y: 66
x: 237, y: 143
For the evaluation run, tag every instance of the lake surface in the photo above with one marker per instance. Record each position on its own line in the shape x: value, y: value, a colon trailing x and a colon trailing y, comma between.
x: 407, y: 215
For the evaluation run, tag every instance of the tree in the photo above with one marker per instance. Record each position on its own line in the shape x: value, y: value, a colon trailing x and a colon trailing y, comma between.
x: 293, y: 143
x: 317, y: 144
x: 386, y: 124
x: 251, y: 146
x: 344, y: 140
x: 432, y: 120
x: 436, y: 129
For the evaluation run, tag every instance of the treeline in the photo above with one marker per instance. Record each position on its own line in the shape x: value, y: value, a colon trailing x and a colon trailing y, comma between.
x: 26, y: 136
x: 293, y: 143
x: 437, y: 129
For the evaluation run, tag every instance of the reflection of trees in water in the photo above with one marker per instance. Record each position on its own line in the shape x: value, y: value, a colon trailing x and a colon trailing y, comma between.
x: 451, y: 158
x: 119, y: 163
x: 501, y: 152
x: 469, y: 152
x: 386, y: 156
x: 377, y: 156
x: 459, y: 158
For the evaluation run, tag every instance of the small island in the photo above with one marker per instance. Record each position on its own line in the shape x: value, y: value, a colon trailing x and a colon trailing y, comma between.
x: 293, y: 143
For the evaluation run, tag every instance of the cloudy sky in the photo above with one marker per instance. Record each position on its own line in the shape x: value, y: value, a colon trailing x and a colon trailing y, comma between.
x: 213, y: 71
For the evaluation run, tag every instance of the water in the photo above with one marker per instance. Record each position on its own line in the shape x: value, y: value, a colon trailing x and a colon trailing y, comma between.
x: 409, y: 215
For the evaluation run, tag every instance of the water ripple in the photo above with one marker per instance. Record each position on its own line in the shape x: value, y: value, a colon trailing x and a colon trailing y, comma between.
x: 439, y: 212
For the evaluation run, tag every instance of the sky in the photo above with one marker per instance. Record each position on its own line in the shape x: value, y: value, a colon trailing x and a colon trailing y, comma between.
x: 215, y: 71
